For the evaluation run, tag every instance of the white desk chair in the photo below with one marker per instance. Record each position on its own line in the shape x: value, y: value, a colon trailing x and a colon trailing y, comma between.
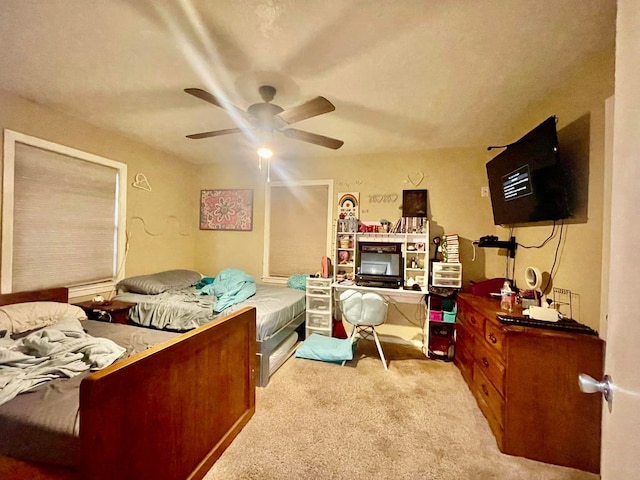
x: 364, y: 311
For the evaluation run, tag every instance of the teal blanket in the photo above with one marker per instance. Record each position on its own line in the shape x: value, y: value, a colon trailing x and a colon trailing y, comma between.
x: 204, y: 282
x: 231, y: 286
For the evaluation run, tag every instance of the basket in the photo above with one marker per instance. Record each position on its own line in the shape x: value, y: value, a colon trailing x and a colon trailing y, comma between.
x: 450, y: 317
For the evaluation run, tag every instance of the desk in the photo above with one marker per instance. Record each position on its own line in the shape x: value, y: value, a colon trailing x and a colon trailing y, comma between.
x: 396, y: 294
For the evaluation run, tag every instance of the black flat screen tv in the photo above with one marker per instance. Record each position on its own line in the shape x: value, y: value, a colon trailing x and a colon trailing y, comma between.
x: 527, y: 181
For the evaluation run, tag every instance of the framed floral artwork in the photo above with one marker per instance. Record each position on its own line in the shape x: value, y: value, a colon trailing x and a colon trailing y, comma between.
x: 226, y: 210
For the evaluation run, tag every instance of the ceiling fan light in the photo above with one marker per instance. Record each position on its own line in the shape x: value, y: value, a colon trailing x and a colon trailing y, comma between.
x: 264, y: 152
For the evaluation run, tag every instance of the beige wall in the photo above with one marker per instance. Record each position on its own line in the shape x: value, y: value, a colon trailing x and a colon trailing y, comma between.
x: 452, y: 177
x: 165, y: 244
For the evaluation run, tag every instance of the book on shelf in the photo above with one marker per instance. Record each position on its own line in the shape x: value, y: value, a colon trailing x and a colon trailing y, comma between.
x: 451, y: 248
x: 409, y: 225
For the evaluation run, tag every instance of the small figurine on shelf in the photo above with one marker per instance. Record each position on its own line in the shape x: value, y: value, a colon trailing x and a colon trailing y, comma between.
x: 343, y: 257
x: 436, y: 241
x: 386, y: 225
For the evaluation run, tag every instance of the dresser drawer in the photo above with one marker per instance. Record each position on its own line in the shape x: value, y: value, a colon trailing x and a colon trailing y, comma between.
x: 473, y: 320
x: 491, y: 365
x: 318, y: 320
x: 319, y: 291
x: 318, y: 303
x: 484, y: 389
x: 494, y: 336
x: 318, y: 282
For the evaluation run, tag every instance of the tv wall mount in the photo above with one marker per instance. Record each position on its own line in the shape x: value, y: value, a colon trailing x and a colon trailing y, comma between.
x: 491, y: 241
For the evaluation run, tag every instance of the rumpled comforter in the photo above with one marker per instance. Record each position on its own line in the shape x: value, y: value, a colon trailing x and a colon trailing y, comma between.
x: 231, y: 286
x: 61, y: 350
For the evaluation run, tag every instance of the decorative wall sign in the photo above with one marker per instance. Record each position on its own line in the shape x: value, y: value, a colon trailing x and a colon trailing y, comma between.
x: 348, y: 184
x: 416, y: 178
x: 226, y: 210
x: 383, y: 198
x: 348, y: 204
x: 141, y: 182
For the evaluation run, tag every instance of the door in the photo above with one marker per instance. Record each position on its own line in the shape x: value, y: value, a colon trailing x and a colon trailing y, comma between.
x: 620, y: 438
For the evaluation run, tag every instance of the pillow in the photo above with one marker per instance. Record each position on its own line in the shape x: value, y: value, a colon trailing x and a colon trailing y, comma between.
x: 326, y: 349
x: 22, y: 317
x: 155, y: 283
x: 298, y: 281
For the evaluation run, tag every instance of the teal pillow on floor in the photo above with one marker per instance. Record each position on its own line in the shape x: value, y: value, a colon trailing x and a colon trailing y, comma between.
x: 326, y: 349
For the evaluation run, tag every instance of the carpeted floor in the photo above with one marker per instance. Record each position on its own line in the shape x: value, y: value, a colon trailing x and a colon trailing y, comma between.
x: 419, y: 420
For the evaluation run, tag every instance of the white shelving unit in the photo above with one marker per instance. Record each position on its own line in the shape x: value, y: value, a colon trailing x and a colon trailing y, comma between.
x: 344, y: 255
x: 415, y: 251
x: 319, y: 315
x: 439, y: 331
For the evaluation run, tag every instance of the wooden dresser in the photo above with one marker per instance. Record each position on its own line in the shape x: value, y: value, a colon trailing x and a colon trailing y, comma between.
x: 525, y: 381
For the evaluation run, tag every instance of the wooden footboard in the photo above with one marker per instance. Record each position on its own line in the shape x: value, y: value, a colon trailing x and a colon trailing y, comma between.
x: 168, y: 412
x: 171, y: 411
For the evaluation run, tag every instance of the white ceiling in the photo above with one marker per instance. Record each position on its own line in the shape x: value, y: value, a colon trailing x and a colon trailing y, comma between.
x: 403, y: 74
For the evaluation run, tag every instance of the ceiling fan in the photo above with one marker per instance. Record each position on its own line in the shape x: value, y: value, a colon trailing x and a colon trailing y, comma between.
x: 269, y: 117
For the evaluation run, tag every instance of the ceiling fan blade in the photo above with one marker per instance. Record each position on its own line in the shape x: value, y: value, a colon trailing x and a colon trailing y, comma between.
x: 207, y: 97
x: 215, y: 133
x: 313, y: 138
x: 312, y: 108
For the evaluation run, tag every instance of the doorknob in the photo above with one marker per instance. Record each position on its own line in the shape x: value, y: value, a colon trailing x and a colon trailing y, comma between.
x: 589, y: 384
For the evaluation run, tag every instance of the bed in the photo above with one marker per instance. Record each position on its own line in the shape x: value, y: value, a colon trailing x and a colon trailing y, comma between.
x: 168, y: 411
x: 170, y: 301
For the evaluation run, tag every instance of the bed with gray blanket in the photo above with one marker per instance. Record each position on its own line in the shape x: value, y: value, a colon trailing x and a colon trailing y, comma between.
x: 80, y: 397
x: 39, y: 398
x: 180, y: 300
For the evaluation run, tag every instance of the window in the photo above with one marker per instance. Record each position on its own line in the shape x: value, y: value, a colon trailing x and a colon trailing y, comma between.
x: 297, y: 227
x: 63, y: 217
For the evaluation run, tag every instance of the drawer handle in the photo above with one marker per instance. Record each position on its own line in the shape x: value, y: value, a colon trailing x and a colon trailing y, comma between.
x: 493, y: 338
x: 473, y: 319
x: 485, y: 390
x: 485, y: 362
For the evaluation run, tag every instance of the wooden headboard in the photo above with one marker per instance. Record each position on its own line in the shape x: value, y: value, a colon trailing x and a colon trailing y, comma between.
x: 59, y: 294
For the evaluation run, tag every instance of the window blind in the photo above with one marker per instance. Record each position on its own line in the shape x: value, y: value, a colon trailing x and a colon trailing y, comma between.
x: 64, y: 220
x: 298, y: 229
